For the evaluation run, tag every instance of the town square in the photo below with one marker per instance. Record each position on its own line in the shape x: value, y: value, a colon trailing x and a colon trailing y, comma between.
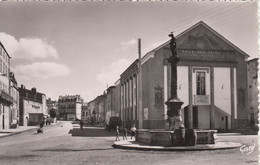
x: 129, y: 82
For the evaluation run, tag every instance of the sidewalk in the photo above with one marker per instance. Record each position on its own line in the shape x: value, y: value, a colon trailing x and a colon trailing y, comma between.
x: 10, y: 132
x: 20, y: 129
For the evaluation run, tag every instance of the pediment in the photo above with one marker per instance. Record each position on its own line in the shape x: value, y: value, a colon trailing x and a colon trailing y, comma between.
x: 201, y: 38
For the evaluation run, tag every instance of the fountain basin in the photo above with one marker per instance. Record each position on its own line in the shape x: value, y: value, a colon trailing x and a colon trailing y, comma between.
x: 168, y: 138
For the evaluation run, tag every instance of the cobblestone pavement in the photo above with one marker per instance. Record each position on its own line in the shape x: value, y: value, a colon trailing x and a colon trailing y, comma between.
x: 57, y: 146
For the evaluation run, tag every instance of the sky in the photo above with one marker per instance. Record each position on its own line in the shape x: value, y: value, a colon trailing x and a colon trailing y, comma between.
x: 82, y: 47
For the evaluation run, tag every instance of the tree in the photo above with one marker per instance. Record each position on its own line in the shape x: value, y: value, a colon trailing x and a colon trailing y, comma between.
x: 53, y: 113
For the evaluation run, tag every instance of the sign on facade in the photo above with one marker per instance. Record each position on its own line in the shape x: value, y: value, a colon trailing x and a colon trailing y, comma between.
x: 201, y: 99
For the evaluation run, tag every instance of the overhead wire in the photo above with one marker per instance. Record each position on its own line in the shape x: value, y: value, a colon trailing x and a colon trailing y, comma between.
x: 181, y: 25
x: 183, y: 22
x: 163, y: 38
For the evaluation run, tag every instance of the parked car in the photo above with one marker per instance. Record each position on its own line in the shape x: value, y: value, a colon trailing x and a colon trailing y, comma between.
x: 112, y: 122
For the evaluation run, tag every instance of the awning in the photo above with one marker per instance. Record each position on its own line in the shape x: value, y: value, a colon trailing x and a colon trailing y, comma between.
x: 5, y: 97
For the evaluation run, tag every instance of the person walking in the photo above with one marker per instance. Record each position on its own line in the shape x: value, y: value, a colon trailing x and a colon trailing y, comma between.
x: 133, y: 130
x: 117, y: 133
x: 125, y: 134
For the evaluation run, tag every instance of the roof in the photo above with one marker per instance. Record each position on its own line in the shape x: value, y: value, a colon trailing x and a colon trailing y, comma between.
x: 207, y: 27
x: 253, y: 60
x: 4, y: 49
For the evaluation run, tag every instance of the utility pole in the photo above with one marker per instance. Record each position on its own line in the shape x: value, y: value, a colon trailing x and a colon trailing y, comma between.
x: 140, y: 112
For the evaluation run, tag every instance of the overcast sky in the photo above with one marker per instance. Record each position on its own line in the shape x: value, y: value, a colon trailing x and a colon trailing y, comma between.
x: 68, y: 48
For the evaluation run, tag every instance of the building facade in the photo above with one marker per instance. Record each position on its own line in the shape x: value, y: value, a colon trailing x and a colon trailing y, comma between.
x: 117, y: 96
x: 92, y: 113
x: 6, y: 100
x: 110, y: 102
x: 69, y: 107
x: 14, y: 92
x: 253, y: 90
x: 33, y: 107
x: 129, y: 91
x: 212, y: 81
x: 100, y: 112
x: 85, y: 112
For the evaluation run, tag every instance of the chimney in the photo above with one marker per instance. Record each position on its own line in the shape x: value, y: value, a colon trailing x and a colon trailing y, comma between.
x: 34, y: 90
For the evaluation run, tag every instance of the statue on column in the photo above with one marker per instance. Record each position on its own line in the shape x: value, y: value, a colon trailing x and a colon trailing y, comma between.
x: 174, y: 103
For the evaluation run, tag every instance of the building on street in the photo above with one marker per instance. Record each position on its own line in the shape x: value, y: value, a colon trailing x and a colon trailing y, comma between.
x: 99, y: 111
x: 85, y: 112
x: 33, y: 107
x: 110, y: 102
x: 253, y: 90
x: 14, y: 111
x: 117, y: 97
x: 6, y: 100
x: 69, y: 107
x: 212, y: 81
x: 129, y: 95
x: 215, y: 80
x: 92, y: 114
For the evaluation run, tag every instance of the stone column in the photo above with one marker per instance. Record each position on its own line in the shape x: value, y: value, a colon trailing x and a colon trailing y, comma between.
x: 212, y: 102
x: 190, y: 108
x: 174, y: 103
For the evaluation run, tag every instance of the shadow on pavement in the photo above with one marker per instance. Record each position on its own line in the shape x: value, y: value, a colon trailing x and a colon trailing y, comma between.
x: 92, y: 132
x: 73, y: 150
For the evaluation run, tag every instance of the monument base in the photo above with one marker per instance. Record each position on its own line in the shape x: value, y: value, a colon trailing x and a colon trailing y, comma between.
x: 175, y: 138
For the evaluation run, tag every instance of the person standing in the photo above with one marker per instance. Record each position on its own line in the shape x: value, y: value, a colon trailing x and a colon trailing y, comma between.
x: 133, y: 130
x: 81, y: 124
x: 125, y: 134
x: 117, y: 133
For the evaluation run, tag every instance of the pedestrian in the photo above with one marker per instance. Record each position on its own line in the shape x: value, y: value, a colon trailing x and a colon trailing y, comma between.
x: 41, y: 124
x: 125, y: 134
x: 81, y: 124
x: 117, y: 133
x: 133, y: 130
x: 40, y: 130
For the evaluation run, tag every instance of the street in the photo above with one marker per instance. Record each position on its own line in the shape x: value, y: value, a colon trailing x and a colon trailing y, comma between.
x: 57, y: 146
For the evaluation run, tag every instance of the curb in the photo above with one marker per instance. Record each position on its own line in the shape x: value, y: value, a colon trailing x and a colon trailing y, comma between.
x: 232, y: 145
x: 228, y: 134
x: 15, y: 133
x: 19, y: 132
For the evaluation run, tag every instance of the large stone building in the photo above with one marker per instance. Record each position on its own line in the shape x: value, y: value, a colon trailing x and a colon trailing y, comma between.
x: 212, y: 83
x: 33, y: 107
x: 129, y: 95
x: 6, y: 100
x: 69, y: 107
x: 253, y: 89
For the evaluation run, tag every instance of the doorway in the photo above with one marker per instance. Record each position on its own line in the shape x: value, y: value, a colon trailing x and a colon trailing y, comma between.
x: 226, y: 122
x: 195, y: 118
x: 186, y: 114
x: 3, y: 124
